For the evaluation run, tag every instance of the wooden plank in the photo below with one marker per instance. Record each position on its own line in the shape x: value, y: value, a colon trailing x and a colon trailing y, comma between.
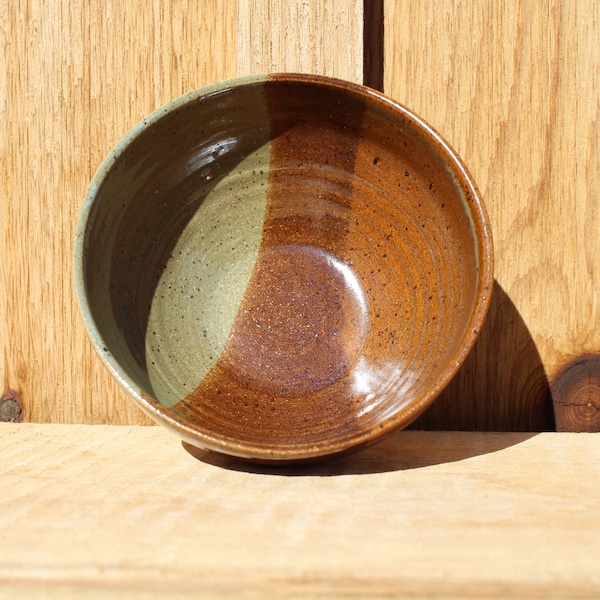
x: 323, y: 37
x: 515, y: 88
x: 76, y: 79
x: 91, y: 511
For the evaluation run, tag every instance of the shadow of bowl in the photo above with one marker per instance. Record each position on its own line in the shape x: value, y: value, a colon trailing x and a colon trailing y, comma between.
x: 501, y: 386
x: 399, y: 451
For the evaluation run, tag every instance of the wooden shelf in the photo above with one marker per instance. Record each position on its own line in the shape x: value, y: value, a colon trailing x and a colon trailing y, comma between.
x: 127, y: 511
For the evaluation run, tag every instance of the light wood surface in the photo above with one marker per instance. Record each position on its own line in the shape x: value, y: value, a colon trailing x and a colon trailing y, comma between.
x: 514, y: 87
x: 321, y: 36
x: 127, y: 512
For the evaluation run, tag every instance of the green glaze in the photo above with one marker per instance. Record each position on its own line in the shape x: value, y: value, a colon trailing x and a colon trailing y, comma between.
x: 200, y: 292
x: 169, y: 175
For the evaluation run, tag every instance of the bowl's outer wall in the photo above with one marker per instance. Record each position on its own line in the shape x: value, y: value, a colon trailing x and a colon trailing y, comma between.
x: 311, y: 163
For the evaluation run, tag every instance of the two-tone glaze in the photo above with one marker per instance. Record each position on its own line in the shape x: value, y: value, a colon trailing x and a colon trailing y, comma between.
x: 283, y: 267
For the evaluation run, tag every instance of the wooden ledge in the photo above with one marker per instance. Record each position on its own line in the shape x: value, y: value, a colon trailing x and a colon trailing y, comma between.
x: 127, y: 512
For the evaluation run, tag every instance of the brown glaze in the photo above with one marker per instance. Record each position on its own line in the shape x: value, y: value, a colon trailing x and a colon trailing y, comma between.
x: 301, y: 325
x: 576, y: 395
x: 303, y: 321
x: 355, y: 195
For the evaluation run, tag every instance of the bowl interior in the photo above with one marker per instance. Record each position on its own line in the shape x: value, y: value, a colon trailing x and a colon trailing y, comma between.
x: 283, y: 267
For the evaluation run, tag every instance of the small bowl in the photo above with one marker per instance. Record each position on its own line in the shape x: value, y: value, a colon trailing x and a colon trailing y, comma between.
x: 283, y: 267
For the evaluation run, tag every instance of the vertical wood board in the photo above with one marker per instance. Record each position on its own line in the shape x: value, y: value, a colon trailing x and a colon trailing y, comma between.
x: 74, y: 80
x: 77, y: 78
x: 515, y: 88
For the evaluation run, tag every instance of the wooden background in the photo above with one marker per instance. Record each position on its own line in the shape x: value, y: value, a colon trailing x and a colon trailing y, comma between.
x: 514, y: 86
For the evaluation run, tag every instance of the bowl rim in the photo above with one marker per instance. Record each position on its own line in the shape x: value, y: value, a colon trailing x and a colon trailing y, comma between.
x: 294, y: 452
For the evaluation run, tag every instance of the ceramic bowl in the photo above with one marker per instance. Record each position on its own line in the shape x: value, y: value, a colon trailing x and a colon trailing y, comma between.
x: 284, y: 267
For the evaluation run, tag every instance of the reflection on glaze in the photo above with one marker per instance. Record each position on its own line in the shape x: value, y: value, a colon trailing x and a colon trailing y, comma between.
x: 351, y: 282
x: 375, y: 383
x: 202, y: 158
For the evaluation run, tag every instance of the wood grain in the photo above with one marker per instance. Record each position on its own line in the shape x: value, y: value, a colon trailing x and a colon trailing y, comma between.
x: 126, y: 512
x: 322, y: 36
x: 78, y: 77
x: 515, y: 88
x: 75, y: 79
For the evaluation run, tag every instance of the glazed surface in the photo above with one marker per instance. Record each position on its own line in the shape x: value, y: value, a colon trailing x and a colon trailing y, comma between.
x: 295, y: 267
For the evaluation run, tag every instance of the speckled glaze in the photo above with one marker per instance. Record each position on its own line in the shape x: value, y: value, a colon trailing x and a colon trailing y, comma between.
x: 283, y: 268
